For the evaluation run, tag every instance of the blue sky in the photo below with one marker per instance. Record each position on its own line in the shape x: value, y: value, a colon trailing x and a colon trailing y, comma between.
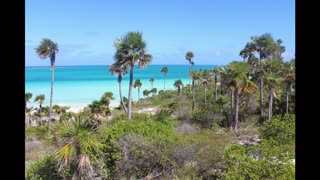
x: 215, y: 30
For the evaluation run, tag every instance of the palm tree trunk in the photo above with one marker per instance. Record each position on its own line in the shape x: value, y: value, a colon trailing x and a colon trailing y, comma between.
x: 205, y: 95
x: 120, y: 93
x: 40, y: 110
x: 25, y: 112
x: 193, y: 95
x: 287, y: 99
x: 164, y: 84
x: 51, y: 95
x: 76, y: 175
x: 231, y: 110
x: 236, y: 111
x: 151, y: 85
x: 130, y: 92
x: 138, y: 93
x: 189, y: 77
x: 270, y: 105
x: 261, y: 89
x: 215, y: 90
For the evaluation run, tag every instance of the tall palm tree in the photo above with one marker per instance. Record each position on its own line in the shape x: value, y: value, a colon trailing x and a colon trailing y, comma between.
x: 189, y: 57
x: 106, y: 98
x: 115, y: 69
x: 77, y: 139
x: 131, y: 49
x: 151, y: 81
x: 137, y: 84
x: 178, y: 84
x: 40, y: 99
x: 27, y: 98
x: 272, y: 81
x: 164, y: 70
x: 237, y: 77
x: 216, y: 72
x: 48, y: 48
x: 206, y: 78
x: 194, y: 75
x: 265, y: 46
x: 290, y: 77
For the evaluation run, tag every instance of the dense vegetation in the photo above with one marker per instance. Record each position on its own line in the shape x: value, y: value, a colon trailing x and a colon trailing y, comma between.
x: 231, y: 122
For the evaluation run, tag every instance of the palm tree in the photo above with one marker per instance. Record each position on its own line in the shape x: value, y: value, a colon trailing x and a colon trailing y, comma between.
x: 206, y: 78
x: 216, y: 72
x: 40, y: 99
x: 154, y: 91
x: 78, y: 140
x: 146, y: 92
x: 106, y: 98
x: 151, y: 80
x: 131, y: 49
x: 272, y: 81
x: 178, y: 84
x: 48, y: 48
x: 164, y: 70
x: 237, y: 79
x: 194, y: 75
x: 265, y: 46
x: 290, y: 77
x: 96, y: 108
x: 115, y: 69
x: 138, y: 84
x: 189, y: 57
x: 27, y: 98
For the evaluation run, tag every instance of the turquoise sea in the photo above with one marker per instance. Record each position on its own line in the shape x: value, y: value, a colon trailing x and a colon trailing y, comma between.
x: 80, y: 85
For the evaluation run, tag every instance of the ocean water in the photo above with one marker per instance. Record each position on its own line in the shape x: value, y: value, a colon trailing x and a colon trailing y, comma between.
x: 80, y: 85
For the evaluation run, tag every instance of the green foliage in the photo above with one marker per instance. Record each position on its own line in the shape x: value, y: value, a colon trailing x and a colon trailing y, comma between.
x: 47, y: 168
x: 210, y: 116
x: 280, y: 129
x: 40, y: 132
x: 272, y: 159
x: 163, y: 116
x: 138, y: 125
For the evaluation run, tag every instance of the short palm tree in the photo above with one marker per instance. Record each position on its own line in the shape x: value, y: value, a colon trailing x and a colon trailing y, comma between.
x: 115, y: 69
x: 137, y: 84
x: 289, y: 77
x: 106, y: 98
x: 154, y: 91
x: 48, y: 48
x: 40, y: 99
x: 151, y: 81
x: 164, y: 70
x: 27, y: 98
x: 178, y: 84
x: 78, y: 141
x: 189, y: 57
x: 237, y: 79
x: 96, y: 108
x: 131, y: 49
x: 146, y: 92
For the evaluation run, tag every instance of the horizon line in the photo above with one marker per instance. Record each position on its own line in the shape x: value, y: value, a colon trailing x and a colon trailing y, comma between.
x: 149, y: 65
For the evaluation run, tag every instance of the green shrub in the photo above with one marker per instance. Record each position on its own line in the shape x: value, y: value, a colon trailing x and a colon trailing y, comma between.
x: 144, y: 127
x: 47, y: 168
x: 39, y: 132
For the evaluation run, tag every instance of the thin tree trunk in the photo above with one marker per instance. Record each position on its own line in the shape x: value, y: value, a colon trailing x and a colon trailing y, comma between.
x: 130, y: 92
x: 189, y: 75
x: 205, y: 95
x: 51, y: 95
x: 215, y: 89
x: 236, y: 115
x: 261, y: 89
x: 151, y: 85
x: 231, y: 110
x: 40, y: 110
x: 179, y: 91
x: 164, y: 84
x: 270, y: 105
x: 138, y: 93
x: 120, y: 93
x: 76, y: 174
x: 287, y: 98
x: 193, y: 95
